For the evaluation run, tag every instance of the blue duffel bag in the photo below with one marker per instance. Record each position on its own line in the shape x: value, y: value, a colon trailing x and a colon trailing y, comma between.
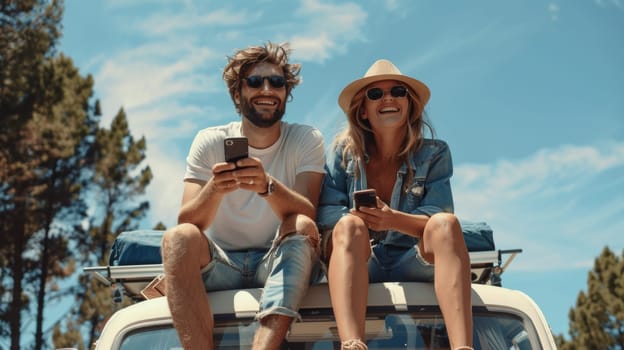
x: 479, y: 236
x: 138, y: 247
x: 142, y: 247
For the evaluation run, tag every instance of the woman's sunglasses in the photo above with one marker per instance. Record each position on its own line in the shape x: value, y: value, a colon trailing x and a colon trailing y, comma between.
x: 276, y: 81
x: 377, y: 93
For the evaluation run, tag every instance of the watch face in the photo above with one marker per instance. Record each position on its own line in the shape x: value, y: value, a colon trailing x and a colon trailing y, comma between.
x: 270, y: 187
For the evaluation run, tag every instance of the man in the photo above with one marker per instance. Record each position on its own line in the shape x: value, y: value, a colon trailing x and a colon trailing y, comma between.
x: 248, y: 223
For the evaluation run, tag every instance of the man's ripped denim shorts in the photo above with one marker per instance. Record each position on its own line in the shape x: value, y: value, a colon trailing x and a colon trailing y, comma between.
x: 284, y: 271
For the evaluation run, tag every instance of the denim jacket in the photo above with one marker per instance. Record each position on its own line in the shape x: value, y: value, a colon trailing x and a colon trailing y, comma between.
x: 428, y: 193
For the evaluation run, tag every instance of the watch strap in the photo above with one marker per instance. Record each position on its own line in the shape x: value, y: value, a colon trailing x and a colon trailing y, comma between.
x: 270, y: 187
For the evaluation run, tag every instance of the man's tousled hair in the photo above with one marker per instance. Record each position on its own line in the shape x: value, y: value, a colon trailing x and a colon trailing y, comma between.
x: 244, y: 59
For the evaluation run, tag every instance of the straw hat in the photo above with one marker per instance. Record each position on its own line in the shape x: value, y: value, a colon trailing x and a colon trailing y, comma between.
x: 382, y: 70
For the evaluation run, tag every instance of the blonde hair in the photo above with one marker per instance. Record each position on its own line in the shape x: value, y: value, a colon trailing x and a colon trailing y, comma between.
x: 358, y: 134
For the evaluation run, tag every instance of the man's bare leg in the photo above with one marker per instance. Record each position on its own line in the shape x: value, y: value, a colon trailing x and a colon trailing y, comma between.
x: 274, y: 327
x: 271, y: 333
x: 185, y: 251
x: 302, y: 224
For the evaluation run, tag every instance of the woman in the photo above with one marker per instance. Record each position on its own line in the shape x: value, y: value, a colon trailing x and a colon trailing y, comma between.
x: 412, y: 226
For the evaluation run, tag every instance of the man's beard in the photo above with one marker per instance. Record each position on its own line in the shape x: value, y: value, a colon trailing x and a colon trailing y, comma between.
x: 249, y: 111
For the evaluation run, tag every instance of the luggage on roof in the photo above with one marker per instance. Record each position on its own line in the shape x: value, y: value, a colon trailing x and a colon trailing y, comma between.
x: 135, y: 259
x: 143, y: 246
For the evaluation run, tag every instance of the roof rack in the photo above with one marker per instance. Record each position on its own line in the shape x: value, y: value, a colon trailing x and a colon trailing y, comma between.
x: 487, y: 267
x: 130, y: 280
x: 136, y: 281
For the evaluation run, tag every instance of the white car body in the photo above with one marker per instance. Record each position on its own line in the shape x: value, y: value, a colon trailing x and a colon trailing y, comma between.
x: 399, y: 315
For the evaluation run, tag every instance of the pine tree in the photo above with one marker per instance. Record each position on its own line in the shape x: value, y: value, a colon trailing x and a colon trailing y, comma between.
x: 69, y: 141
x: 46, y: 133
x: 43, y: 192
x: 28, y: 33
x: 119, y: 181
x: 70, y: 338
x: 597, y: 321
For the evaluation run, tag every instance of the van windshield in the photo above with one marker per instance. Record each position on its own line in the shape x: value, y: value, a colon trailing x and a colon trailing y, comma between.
x: 384, y: 330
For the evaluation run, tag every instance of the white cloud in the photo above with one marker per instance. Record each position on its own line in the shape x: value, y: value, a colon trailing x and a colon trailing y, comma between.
x: 604, y: 3
x: 555, y: 204
x: 321, y: 29
x: 150, y: 76
x: 328, y: 29
x: 167, y: 23
x: 169, y: 66
x: 553, y: 9
x: 168, y: 122
x: 312, y: 48
x: 165, y: 190
x: 392, y: 4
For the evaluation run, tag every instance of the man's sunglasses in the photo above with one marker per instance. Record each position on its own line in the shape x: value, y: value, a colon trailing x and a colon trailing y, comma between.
x: 377, y: 93
x: 276, y: 81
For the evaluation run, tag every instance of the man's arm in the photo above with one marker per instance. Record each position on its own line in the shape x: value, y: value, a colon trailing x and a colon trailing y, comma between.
x: 301, y: 199
x: 201, y: 199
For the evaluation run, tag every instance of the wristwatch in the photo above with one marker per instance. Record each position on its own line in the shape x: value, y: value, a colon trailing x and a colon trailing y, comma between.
x: 270, y: 187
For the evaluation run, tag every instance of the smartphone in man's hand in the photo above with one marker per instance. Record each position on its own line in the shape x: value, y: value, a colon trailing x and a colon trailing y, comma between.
x: 365, y: 198
x: 235, y: 148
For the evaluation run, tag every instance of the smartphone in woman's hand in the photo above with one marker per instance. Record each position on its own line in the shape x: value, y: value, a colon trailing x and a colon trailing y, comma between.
x: 365, y: 198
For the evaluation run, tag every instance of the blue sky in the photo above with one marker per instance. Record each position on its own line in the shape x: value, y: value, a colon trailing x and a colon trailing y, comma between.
x: 528, y: 94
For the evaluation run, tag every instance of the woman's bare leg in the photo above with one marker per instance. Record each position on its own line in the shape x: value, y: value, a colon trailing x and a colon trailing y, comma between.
x: 348, y: 276
x: 443, y: 244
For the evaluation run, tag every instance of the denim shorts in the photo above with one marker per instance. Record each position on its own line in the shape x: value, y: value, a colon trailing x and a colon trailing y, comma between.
x: 390, y: 263
x: 284, y: 270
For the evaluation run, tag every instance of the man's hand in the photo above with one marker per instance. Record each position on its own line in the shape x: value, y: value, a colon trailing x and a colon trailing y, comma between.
x: 223, y: 180
x: 247, y: 174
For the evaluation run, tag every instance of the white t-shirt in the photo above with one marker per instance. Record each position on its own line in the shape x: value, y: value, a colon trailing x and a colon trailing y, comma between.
x: 245, y: 220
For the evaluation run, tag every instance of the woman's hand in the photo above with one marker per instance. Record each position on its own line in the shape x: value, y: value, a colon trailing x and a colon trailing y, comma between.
x: 377, y: 219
